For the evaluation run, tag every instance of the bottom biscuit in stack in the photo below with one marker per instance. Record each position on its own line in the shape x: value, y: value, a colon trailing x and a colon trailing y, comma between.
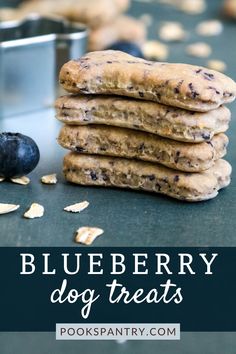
x: 120, y: 172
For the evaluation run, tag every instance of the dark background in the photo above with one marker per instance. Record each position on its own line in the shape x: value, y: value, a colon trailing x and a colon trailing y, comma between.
x: 208, y: 300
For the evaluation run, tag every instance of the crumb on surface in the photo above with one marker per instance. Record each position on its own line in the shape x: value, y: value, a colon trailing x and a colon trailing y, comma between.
x: 172, y: 32
x: 8, y: 208
x: 77, y: 207
x: 87, y: 235
x: 49, y: 179
x: 199, y: 49
x: 24, y: 180
x: 218, y: 65
x: 155, y: 50
x: 35, y: 211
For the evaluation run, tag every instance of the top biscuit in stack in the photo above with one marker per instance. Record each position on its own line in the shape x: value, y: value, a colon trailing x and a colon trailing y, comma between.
x: 116, y: 73
x: 176, y: 101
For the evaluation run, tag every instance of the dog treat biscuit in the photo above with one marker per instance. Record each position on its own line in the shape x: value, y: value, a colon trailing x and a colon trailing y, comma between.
x: 123, y: 28
x: 46, y: 7
x: 229, y: 8
x: 179, y: 85
x: 121, y: 142
x: 9, y: 14
x: 170, y: 122
x: 93, y: 13
x: 96, y: 13
x: 119, y: 172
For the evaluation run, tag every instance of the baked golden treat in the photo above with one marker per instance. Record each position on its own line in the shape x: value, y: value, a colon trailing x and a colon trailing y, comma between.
x: 131, y: 144
x: 117, y: 73
x: 152, y: 117
x: 93, y: 13
x: 229, y: 8
x: 120, y: 172
x: 123, y: 28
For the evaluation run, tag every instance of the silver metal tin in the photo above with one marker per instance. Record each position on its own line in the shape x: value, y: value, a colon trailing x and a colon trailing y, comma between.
x: 31, y: 54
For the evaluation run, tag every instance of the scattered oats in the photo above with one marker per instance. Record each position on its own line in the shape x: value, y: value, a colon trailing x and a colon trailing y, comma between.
x: 77, y: 208
x: 146, y: 19
x: 217, y: 65
x: 200, y: 50
x: 172, y: 31
x: 8, y: 208
x: 49, y: 179
x: 209, y: 28
x: 86, y: 235
x: 192, y: 7
x: 21, y: 180
x: 2, y: 179
x: 154, y: 50
x: 35, y: 211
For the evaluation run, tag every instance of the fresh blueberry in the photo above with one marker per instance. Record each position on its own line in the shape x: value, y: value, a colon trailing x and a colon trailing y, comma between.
x: 127, y: 47
x: 19, y: 155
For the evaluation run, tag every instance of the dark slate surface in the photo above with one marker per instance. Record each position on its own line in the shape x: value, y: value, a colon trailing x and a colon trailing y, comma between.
x: 45, y: 343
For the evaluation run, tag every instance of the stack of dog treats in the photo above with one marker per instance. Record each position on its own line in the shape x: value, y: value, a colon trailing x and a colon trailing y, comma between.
x: 152, y: 126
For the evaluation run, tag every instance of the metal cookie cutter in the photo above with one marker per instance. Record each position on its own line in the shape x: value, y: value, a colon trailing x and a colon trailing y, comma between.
x: 31, y: 53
